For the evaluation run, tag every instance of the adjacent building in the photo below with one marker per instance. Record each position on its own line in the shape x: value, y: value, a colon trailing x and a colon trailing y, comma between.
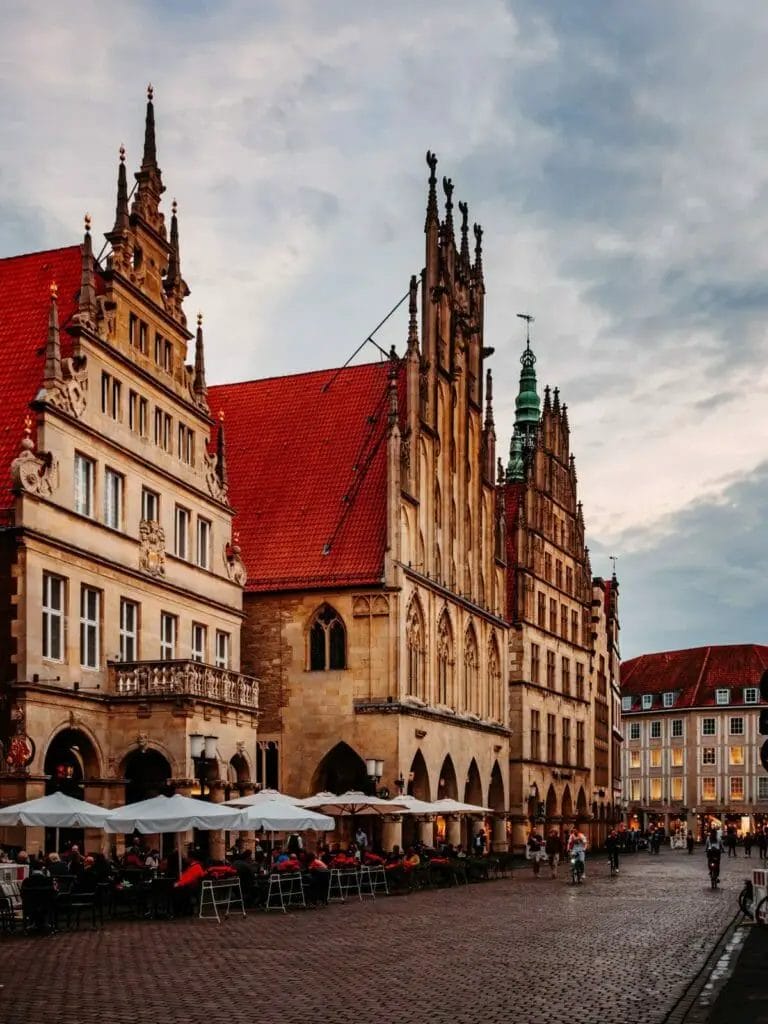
x: 121, y: 588
x: 692, y: 751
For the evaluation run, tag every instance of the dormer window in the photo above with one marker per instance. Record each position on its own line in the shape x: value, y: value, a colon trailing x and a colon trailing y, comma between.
x: 750, y: 694
x: 668, y: 699
x: 647, y: 701
x: 626, y: 703
x: 722, y: 696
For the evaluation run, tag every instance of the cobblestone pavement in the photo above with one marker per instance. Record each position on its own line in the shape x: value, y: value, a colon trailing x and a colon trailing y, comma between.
x: 525, y: 950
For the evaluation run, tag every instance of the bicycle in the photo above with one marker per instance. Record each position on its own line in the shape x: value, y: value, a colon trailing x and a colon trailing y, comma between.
x: 714, y: 872
x: 577, y: 869
x: 747, y: 899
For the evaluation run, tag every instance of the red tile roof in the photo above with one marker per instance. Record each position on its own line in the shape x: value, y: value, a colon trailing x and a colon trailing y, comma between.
x: 306, y: 458
x: 24, y: 306
x: 693, y: 675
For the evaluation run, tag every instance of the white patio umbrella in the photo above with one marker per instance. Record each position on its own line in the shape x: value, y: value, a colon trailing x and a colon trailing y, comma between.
x: 276, y: 815
x: 57, y: 810
x: 450, y: 806
x: 260, y: 797
x: 351, y: 803
x: 172, y: 814
x: 412, y: 805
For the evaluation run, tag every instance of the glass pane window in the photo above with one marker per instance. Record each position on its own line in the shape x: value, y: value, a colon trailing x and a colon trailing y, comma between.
x: 676, y: 788
x: 90, y: 627
x: 199, y: 642
x: 647, y: 702
x: 656, y: 730
x: 677, y: 757
x: 150, y: 505
x: 634, y: 789
x: 736, y: 755
x: 634, y: 759
x: 655, y: 758
x: 168, y: 625
x: 708, y: 755
x: 722, y: 696
x: 181, y: 535
x: 677, y: 727
x: 129, y: 620
x: 750, y: 695
x: 113, y: 499
x: 634, y: 730
x: 709, y: 788
x: 669, y: 700
x: 762, y: 787
x: 708, y: 727
x: 626, y: 703
x: 203, y: 543
x: 222, y: 649
x: 85, y: 472
x: 737, y: 787
x: 656, y: 789
x: 737, y: 726
x: 53, y: 617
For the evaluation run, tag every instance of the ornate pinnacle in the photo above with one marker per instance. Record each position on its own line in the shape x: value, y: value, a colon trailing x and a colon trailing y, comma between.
x: 478, y: 250
x: 52, y: 370
x: 432, y: 214
x: 464, y: 233
x: 488, y: 398
x: 413, y: 329
x: 392, y: 389
x: 122, y: 221
x: 199, y: 386
x: 448, y: 189
x: 87, y: 301
x: 173, y: 273
x: 221, y: 454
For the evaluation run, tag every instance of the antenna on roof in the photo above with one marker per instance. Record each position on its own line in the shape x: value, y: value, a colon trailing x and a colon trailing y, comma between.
x: 613, y: 559
x: 528, y: 321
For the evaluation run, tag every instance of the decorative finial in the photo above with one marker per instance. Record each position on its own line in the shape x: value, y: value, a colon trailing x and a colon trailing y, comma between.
x: 432, y: 162
x: 432, y: 215
x: 87, y: 220
x: 27, y: 424
x: 122, y: 153
x: 174, y: 208
x: 150, y: 92
x: 528, y: 321
x: 221, y: 415
x: 54, y: 290
x: 464, y: 232
x: 199, y: 319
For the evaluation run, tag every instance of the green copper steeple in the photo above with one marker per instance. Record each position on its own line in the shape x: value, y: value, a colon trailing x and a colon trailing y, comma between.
x: 515, y: 466
x: 527, y: 412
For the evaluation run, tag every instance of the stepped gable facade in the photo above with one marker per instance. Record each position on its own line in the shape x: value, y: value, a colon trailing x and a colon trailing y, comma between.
x: 372, y: 532
x: 121, y: 588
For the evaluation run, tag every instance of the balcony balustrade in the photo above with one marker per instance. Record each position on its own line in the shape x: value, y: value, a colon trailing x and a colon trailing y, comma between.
x: 183, y: 679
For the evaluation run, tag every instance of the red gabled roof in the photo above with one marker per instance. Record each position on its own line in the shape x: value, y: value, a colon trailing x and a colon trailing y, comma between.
x: 693, y: 675
x: 25, y: 283
x: 306, y: 459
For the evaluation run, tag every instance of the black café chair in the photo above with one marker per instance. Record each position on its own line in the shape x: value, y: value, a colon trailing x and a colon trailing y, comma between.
x: 38, y: 909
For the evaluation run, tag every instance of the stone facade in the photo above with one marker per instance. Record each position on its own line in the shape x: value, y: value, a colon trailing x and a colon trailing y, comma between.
x: 122, y: 636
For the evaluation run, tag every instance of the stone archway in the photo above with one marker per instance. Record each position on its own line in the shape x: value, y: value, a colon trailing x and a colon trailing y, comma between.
x: 239, y: 770
x: 71, y: 759
x: 496, y: 799
x: 447, y: 785
x: 340, y: 770
x: 498, y: 839
x: 418, y: 778
x: 147, y: 773
x: 567, y: 804
x: 551, y: 804
x: 473, y: 787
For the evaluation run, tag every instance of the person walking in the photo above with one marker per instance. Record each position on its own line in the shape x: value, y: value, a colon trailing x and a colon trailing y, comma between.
x: 762, y: 843
x: 748, y: 841
x: 730, y: 842
x: 690, y: 841
x: 535, y: 846
x: 554, y: 851
x: 612, y: 846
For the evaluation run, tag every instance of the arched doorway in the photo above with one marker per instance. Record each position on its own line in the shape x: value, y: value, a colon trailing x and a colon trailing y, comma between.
x: 70, y: 761
x: 448, y: 829
x: 567, y: 805
x: 340, y: 770
x: 239, y: 771
x: 496, y: 827
x: 551, y: 808
x: 473, y: 794
x: 146, y: 773
x: 533, y: 802
x: 581, y: 807
x: 419, y: 787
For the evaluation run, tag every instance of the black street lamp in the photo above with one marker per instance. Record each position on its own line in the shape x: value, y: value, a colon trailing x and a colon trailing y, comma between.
x: 203, y: 751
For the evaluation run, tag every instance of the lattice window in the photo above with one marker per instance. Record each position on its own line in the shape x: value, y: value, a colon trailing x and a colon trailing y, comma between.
x: 327, y: 641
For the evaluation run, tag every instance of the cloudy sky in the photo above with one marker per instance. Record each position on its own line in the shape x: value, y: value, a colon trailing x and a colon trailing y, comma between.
x: 616, y: 154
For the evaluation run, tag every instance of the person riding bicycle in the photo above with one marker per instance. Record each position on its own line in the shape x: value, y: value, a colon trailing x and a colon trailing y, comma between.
x: 714, y: 850
x: 577, y: 847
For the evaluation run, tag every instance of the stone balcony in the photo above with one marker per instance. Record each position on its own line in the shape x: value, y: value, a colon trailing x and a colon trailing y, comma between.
x: 147, y: 679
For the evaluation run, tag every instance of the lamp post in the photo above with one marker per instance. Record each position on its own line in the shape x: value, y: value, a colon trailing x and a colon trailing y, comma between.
x: 374, y: 768
x: 203, y: 751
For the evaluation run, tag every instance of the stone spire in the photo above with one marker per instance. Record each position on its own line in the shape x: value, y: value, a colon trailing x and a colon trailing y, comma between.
x: 432, y: 214
x: 199, y: 386
x: 221, y: 455
x: 478, y: 268
x: 488, y: 399
x: 448, y: 189
x: 465, y: 261
x: 172, y: 280
x: 556, y: 403
x: 149, y: 177
x: 413, y: 327
x: 53, y: 345
x: 122, y: 219
x: 393, y: 415
x: 87, y: 303
x: 527, y: 405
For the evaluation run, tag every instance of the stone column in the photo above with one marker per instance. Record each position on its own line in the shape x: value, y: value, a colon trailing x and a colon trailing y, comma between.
x: 521, y: 826
x: 216, y: 845
x: 499, y: 839
x: 391, y: 831
x: 247, y: 837
x: 106, y: 793
x: 427, y: 832
x: 453, y: 829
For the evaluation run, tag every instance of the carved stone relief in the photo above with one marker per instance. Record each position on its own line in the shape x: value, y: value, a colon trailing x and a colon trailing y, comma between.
x: 152, y: 548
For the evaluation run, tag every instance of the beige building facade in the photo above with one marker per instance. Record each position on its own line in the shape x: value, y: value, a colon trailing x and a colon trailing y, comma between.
x: 123, y: 593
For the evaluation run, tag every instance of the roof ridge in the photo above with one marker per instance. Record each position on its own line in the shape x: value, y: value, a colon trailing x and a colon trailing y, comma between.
x: 302, y: 373
x: 39, y: 252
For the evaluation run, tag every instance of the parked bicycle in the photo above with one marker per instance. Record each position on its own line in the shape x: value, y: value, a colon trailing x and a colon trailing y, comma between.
x: 757, y: 913
x: 577, y: 869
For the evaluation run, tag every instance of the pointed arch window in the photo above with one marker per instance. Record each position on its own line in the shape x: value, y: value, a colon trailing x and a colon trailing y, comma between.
x: 495, y: 696
x: 327, y: 641
x: 469, y: 694
x: 444, y: 660
x: 414, y: 633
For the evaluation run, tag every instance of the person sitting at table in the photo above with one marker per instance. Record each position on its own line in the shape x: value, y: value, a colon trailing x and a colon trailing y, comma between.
x: 152, y: 860
x: 412, y: 859
x: 22, y: 857
x: 56, y: 866
x: 395, y: 856
x: 459, y: 852
x: 37, y: 900
x: 132, y: 859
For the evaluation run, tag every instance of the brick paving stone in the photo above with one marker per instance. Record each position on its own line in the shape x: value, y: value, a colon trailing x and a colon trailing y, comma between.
x: 524, y: 950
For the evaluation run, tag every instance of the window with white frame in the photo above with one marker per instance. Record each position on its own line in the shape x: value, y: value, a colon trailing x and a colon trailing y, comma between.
x: 150, y: 505
x: 676, y: 788
x: 677, y: 757
x: 709, y: 788
x: 708, y: 727
x: 656, y: 789
x: 85, y: 474
x: 634, y: 789
x: 110, y: 396
x: 751, y: 695
x: 53, y: 616
x: 186, y: 444
x: 654, y: 760
x: 168, y: 631
x: 647, y: 701
x: 626, y: 703
x: 722, y: 696
x: 736, y: 786
x: 708, y: 755
x: 181, y: 533
x: 203, y: 543
x: 656, y: 730
x: 199, y: 642
x: 668, y: 699
x: 736, y: 726
x: 222, y: 649
x: 762, y: 787
x: 129, y: 628
x: 634, y: 730
x: 736, y: 755
x: 113, y: 499
x: 90, y: 627
x: 634, y: 759
x: 677, y: 727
